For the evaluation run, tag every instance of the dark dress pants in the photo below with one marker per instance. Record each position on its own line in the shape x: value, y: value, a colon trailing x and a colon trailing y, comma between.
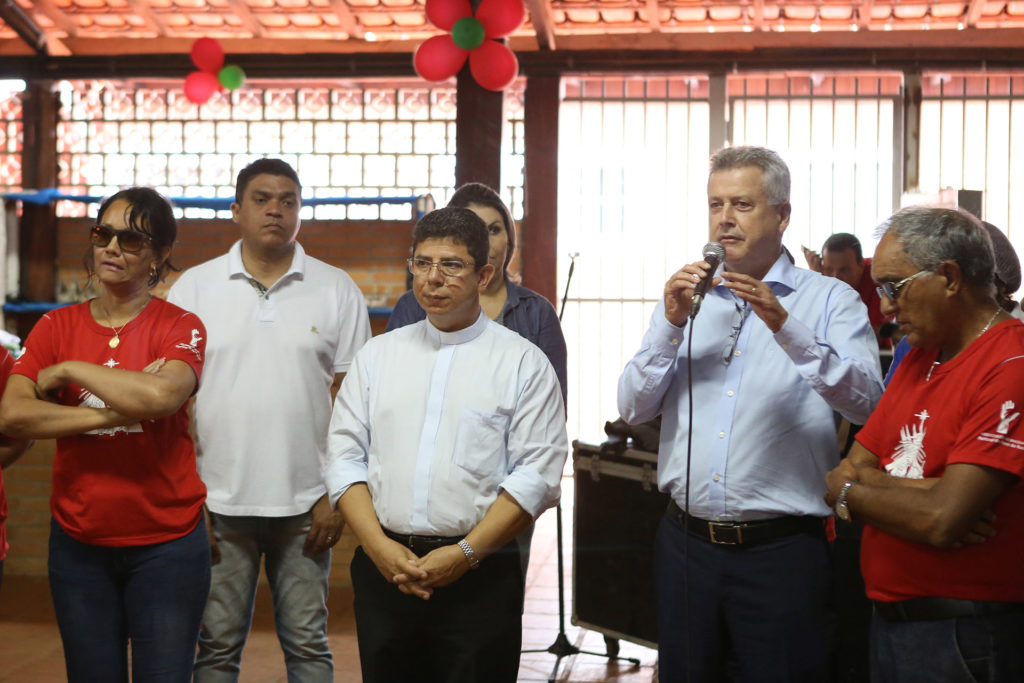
x: 750, y: 614
x: 467, y: 632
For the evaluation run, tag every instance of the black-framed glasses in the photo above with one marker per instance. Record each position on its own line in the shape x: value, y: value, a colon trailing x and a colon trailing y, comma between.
x: 891, y: 290
x: 449, y: 267
x: 129, y: 240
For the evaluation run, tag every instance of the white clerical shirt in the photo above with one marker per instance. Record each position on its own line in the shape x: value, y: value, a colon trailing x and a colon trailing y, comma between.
x: 438, y: 423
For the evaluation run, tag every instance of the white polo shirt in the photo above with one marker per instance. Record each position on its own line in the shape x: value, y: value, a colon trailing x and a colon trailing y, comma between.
x: 264, y: 403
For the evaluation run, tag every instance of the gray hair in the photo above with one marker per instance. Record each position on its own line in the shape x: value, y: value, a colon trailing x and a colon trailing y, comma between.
x: 775, y: 172
x: 930, y: 236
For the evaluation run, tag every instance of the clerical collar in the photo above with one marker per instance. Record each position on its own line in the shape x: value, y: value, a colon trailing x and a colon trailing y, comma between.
x: 462, y: 336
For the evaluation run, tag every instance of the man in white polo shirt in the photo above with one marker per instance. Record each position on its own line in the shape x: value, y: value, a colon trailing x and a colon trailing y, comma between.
x: 283, y: 328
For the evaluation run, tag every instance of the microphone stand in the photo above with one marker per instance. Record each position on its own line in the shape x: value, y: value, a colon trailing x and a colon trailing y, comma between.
x: 562, y: 648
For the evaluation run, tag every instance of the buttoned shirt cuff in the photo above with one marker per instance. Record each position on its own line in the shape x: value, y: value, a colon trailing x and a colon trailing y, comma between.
x: 531, y: 491
x: 797, y: 340
x: 340, y: 475
x: 666, y: 337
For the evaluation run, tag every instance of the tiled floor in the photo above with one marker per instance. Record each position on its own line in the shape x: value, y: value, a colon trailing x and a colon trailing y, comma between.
x: 30, y: 649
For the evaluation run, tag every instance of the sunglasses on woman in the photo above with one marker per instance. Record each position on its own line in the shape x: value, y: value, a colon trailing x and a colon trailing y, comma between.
x: 131, y: 241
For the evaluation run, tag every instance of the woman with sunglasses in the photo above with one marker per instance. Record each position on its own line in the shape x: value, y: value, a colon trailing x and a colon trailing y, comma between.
x: 109, y: 379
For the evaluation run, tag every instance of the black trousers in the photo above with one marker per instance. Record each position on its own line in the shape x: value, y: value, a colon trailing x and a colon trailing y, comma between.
x: 467, y: 632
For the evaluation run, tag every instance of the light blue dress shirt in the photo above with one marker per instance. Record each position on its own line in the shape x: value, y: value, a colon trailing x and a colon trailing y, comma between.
x: 764, y: 429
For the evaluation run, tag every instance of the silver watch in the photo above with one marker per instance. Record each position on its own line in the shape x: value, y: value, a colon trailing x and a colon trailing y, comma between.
x: 842, y: 509
x: 467, y: 549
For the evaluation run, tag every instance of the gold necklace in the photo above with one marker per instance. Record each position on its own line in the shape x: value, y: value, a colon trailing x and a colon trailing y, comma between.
x: 115, y: 341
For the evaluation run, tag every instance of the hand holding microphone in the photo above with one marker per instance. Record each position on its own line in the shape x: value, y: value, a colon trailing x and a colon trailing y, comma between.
x: 687, y: 286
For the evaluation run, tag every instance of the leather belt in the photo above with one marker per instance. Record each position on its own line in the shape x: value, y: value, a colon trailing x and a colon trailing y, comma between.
x: 925, y: 609
x: 421, y: 544
x: 745, y: 533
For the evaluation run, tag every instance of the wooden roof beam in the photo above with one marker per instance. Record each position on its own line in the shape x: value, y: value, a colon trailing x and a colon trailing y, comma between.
x: 974, y: 10
x: 758, y: 22
x: 653, y: 20
x: 153, y: 22
x: 864, y: 14
x: 346, y: 19
x: 247, y: 18
x: 22, y: 24
x: 543, y: 20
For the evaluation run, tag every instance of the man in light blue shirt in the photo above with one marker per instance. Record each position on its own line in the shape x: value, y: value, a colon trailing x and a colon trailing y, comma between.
x: 777, y: 352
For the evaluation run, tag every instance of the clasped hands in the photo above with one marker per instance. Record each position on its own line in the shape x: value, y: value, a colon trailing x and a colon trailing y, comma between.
x: 680, y: 288
x: 414, y: 575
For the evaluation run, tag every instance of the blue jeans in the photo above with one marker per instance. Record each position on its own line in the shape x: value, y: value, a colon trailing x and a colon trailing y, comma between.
x: 149, y: 595
x: 298, y: 586
x: 986, y: 649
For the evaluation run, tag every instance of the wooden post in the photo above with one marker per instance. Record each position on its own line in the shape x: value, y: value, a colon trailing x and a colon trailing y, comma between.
x: 539, y: 227
x: 37, y: 234
x: 479, y: 118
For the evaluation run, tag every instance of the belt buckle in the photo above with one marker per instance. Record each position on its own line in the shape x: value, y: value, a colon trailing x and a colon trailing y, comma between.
x: 738, y: 540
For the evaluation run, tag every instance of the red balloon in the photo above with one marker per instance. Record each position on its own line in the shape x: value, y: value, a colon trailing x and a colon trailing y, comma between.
x: 200, y: 86
x: 494, y: 66
x: 501, y: 17
x: 444, y: 13
x: 438, y: 58
x: 208, y: 55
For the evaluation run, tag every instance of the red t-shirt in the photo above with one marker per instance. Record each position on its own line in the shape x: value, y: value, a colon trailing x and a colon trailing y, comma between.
x: 6, y: 363
x: 968, y: 411
x: 869, y: 295
x: 131, y: 485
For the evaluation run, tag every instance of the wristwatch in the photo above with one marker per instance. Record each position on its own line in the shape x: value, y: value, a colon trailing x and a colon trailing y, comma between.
x: 842, y: 509
x: 471, y: 557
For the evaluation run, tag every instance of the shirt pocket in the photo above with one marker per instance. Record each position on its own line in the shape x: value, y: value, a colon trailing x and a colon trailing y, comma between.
x: 480, y: 444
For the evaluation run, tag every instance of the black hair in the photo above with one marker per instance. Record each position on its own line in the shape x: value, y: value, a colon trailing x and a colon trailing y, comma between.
x: 150, y: 213
x: 478, y: 193
x: 260, y: 167
x: 462, y: 226
x: 841, y: 241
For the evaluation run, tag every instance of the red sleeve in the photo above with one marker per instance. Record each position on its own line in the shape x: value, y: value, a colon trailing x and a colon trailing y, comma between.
x: 39, y: 349
x: 992, y: 431
x: 6, y: 365
x: 186, y: 341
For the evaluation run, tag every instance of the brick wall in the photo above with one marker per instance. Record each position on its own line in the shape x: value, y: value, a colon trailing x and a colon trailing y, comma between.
x: 372, y: 252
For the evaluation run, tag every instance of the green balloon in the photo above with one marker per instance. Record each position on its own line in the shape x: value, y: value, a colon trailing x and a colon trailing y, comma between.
x: 468, y: 33
x: 231, y: 77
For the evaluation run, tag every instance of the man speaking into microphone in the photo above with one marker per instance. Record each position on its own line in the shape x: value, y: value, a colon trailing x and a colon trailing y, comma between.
x: 742, y: 565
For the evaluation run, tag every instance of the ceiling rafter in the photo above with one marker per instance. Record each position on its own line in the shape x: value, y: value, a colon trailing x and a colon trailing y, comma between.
x: 974, y: 11
x: 346, y: 19
x: 653, y: 17
x: 543, y: 19
x: 758, y: 22
x: 61, y: 20
x: 248, y: 19
x: 149, y: 17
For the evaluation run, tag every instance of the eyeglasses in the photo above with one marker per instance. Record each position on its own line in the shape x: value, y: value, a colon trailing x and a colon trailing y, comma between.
x: 131, y: 241
x: 447, y: 267
x: 891, y: 290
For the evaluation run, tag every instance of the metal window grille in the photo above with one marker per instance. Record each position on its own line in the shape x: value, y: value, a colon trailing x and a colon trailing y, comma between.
x: 633, y: 156
x: 363, y: 139
x: 972, y: 138
x: 11, y: 140
x: 839, y: 135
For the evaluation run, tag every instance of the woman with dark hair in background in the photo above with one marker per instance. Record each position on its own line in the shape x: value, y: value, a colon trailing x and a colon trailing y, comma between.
x: 109, y: 378
x: 519, y: 309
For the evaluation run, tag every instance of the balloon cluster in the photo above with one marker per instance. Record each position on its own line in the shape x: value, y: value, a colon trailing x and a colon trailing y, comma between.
x: 492, y: 64
x: 208, y: 56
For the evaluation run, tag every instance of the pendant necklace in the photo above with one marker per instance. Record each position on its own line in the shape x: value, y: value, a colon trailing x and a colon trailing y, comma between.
x: 983, y: 331
x: 115, y: 341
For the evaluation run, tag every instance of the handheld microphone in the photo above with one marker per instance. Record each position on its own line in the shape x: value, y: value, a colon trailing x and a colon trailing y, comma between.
x: 714, y: 254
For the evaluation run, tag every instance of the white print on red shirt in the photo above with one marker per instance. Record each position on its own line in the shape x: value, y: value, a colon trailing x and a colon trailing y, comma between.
x: 90, y: 400
x: 1003, y: 428
x: 191, y: 346
x: 909, y: 457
